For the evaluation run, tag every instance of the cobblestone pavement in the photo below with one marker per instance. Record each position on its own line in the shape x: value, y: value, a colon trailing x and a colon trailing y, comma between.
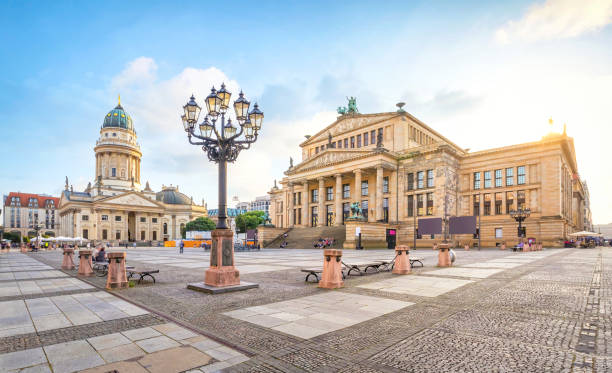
x: 495, y: 311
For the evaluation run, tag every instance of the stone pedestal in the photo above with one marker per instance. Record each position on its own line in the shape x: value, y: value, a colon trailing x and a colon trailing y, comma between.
x: 222, y: 271
x: 466, y: 247
x: 444, y: 259
x: 23, y: 249
x: 502, y: 246
x: 331, y: 278
x: 402, y: 262
x: 68, y: 261
x: 117, y: 278
x: 85, y: 264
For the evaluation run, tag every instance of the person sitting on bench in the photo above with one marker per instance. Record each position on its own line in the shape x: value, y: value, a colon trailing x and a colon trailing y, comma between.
x: 101, y: 255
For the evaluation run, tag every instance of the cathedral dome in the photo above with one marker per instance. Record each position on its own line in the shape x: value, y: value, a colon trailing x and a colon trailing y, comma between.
x: 118, y: 118
x: 172, y: 196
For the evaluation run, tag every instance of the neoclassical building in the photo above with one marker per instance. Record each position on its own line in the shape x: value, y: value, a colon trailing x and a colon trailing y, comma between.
x: 115, y: 207
x: 401, y: 170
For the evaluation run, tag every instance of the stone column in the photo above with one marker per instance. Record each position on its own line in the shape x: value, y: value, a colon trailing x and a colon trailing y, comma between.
x: 322, y: 215
x: 338, y: 197
x: 379, y: 193
x: 357, y: 187
x: 291, y: 205
x: 305, y: 204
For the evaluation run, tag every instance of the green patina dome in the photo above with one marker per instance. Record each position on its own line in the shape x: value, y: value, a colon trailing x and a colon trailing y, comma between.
x: 118, y: 118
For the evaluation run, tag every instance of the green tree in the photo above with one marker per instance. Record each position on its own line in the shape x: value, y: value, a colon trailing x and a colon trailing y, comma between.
x: 13, y: 237
x: 199, y: 224
x: 250, y: 220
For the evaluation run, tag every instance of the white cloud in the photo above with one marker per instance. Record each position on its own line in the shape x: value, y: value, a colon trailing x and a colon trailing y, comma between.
x: 140, y: 71
x: 557, y: 19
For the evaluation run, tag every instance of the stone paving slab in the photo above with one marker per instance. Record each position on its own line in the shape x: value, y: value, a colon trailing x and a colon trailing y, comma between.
x: 423, y: 286
x: 465, y: 272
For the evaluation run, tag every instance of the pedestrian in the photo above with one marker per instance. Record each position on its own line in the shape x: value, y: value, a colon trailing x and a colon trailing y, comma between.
x: 181, y: 246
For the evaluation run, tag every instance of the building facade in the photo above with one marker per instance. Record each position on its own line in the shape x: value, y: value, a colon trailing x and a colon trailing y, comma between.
x: 259, y: 204
x: 24, y: 212
x: 400, y: 170
x: 116, y: 208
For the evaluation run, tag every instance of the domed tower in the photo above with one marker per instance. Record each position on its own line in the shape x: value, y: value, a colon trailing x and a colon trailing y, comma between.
x: 117, y: 154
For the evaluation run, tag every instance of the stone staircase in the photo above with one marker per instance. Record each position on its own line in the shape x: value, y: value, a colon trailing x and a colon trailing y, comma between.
x: 304, y: 238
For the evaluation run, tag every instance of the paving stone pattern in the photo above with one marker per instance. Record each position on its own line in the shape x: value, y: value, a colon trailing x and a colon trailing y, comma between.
x: 494, y: 311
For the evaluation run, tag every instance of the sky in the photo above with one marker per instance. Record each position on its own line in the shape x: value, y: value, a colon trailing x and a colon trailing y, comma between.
x: 484, y: 74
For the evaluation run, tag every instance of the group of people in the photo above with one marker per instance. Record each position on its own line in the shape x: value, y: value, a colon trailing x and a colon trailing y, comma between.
x: 323, y: 243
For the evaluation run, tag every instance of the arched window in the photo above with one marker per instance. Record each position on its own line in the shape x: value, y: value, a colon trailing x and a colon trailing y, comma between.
x: 182, y: 227
x: 165, y: 228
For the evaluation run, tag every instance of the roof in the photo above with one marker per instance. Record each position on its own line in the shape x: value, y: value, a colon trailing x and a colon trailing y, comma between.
x: 24, y: 199
x: 119, y: 118
x: 171, y: 196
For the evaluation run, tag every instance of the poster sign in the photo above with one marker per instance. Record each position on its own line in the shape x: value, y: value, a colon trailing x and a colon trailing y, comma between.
x: 357, y: 231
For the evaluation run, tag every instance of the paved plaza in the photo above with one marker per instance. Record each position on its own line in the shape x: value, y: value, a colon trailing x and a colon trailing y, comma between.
x: 493, y: 311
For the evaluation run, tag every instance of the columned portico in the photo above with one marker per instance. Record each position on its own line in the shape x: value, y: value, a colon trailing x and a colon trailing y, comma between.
x: 291, y: 205
x: 379, y: 193
x: 357, y: 187
x: 338, y: 202
x: 305, y: 205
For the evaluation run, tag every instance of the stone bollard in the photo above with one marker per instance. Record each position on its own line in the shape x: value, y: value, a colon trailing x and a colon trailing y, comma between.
x: 85, y: 264
x: 402, y: 261
x: 466, y: 247
x: 502, y: 246
x: 24, y: 249
x: 68, y: 262
x: 331, y: 278
x: 539, y: 247
x: 117, y: 278
x: 444, y: 259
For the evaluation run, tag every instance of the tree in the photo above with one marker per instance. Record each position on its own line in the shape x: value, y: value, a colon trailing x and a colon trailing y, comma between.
x: 199, y: 224
x: 249, y: 219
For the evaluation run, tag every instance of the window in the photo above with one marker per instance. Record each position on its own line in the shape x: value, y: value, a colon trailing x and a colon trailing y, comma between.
x: 104, y: 217
x: 520, y: 200
x: 118, y: 235
x: 364, y: 209
x: 364, y: 188
x: 487, y: 204
x: 114, y: 134
x: 509, y: 202
x: 420, y: 205
x: 380, y: 134
x: 430, y: 180
x: 385, y: 206
x: 420, y: 181
x: 487, y: 179
x: 359, y: 141
x: 165, y: 228
x: 85, y: 234
x: 430, y: 203
x: 154, y: 235
x: 339, y: 144
x: 117, y: 218
x: 143, y: 220
x: 410, y: 181
x: 476, y: 204
x: 365, y: 139
x: 346, y: 210
x: 330, y: 193
x: 410, y: 205
x: 299, y: 198
x: 346, y: 191
x: 314, y: 195
x: 104, y: 234
x: 498, y: 204
x: 509, y: 176
x: 113, y: 172
x: 498, y: 178
x: 346, y: 143
x: 85, y: 217
x: 317, y: 150
x: 352, y: 142
x: 322, y: 147
x: 520, y: 173
x: 498, y: 233
x: 476, y: 180
x: 142, y: 235
x: 373, y: 137
x: 385, y: 187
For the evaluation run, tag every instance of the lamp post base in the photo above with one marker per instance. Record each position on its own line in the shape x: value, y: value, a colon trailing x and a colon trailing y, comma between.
x: 222, y: 271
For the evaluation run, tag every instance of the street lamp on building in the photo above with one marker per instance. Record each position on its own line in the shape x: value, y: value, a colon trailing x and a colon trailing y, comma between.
x: 520, y: 215
x: 222, y: 141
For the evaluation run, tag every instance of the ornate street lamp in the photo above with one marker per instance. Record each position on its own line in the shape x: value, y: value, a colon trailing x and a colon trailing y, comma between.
x: 520, y: 215
x: 222, y: 143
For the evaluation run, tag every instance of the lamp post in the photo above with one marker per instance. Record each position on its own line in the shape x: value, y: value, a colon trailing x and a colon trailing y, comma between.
x: 520, y: 215
x: 222, y: 142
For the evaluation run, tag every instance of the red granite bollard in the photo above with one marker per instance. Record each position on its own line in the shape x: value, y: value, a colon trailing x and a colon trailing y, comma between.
x: 502, y: 246
x: 85, y: 264
x: 402, y: 261
x: 331, y: 278
x: 466, y: 247
x: 23, y: 248
x: 117, y: 278
x: 222, y: 271
x: 68, y: 262
x: 444, y: 255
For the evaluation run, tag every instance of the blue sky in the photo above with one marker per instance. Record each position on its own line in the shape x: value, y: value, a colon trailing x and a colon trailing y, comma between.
x: 484, y: 74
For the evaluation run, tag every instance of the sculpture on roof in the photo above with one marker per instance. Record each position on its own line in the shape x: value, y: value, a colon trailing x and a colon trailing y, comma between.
x: 66, y: 186
x: 290, y: 162
x: 352, y: 107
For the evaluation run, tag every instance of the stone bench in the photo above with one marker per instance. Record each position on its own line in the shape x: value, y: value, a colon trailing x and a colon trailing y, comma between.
x: 316, y: 272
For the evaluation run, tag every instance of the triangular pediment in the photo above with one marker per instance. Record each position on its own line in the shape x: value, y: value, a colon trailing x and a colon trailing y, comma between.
x: 132, y: 199
x: 328, y: 157
x: 347, y: 123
